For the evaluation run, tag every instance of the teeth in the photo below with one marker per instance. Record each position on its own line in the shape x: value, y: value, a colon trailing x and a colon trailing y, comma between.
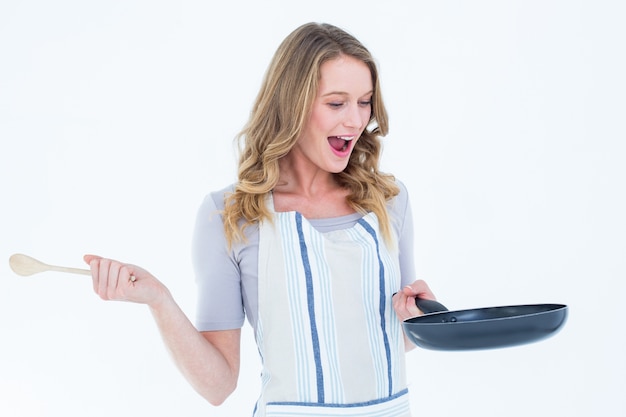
x: 346, y: 138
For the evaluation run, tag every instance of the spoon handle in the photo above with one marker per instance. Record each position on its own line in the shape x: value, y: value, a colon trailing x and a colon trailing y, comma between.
x: 69, y: 270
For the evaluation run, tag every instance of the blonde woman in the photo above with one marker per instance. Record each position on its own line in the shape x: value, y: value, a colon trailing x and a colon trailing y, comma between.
x: 310, y: 244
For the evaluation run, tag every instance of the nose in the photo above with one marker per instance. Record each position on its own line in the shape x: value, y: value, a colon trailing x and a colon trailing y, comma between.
x: 356, y: 116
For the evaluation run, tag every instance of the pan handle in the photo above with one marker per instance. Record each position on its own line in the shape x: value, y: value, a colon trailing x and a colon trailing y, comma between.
x: 429, y: 306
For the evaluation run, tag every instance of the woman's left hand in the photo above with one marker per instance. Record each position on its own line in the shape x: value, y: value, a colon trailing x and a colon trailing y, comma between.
x: 404, y: 300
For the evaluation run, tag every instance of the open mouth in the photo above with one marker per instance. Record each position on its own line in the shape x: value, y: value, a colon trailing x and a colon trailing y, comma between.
x: 340, y: 143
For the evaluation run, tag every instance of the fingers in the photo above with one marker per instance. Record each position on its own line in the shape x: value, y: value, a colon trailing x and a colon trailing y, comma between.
x: 419, y: 289
x: 404, y: 305
x: 404, y: 301
x: 88, y: 258
x: 111, y: 279
x: 108, y: 278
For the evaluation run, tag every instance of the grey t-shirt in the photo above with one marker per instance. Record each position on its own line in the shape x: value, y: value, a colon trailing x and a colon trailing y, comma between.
x: 227, y: 278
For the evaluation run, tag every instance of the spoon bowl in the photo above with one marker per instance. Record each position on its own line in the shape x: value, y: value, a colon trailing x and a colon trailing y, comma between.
x: 25, y: 265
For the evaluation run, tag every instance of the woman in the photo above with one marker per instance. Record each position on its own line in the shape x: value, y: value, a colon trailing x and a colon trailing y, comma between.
x: 310, y: 243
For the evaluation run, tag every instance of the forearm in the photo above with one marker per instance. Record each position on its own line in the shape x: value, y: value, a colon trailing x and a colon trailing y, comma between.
x: 209, y: 362
x: 408, y: 345
x: 212, y: 373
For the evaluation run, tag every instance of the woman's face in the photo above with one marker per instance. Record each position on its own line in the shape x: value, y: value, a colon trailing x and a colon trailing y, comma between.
x: 340, y: 112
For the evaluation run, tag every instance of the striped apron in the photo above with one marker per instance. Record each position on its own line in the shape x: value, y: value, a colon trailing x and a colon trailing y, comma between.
x: 329, y: 339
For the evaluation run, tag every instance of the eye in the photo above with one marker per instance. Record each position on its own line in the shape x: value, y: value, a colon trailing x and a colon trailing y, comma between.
x: 335, y: 105
x: 365, y: 103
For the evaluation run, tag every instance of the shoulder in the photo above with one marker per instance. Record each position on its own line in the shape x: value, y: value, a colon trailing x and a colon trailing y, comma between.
x: 210, y: 220
x: 399, y: 203
x: 404, y: 193
x: 214, y: 201
x: 399, y: 209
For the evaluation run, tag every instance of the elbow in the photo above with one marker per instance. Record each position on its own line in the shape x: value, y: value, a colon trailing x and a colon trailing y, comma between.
x: 218, y: 396
x: 216, y: 401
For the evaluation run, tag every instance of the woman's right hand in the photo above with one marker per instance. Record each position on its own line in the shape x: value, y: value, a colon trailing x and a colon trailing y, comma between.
x: 113, y: 280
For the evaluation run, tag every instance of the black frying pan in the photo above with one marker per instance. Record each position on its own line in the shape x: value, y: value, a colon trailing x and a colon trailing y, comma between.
x: 483, y: 328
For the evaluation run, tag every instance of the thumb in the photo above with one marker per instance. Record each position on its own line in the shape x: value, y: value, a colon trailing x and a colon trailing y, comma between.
x: 419, y: 289
x: 89, y: 258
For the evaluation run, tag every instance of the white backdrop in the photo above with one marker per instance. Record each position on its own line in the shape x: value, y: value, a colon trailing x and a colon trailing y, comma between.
x: 507, y: 126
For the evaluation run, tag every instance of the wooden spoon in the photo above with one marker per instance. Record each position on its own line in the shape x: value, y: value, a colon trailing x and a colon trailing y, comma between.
x: 25, y: 265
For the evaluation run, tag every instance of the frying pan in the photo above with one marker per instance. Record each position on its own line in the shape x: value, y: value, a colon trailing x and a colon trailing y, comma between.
x: 483, y: 328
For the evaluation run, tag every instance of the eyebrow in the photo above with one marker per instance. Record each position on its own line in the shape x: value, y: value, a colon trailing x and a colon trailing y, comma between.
x: 343, y: 93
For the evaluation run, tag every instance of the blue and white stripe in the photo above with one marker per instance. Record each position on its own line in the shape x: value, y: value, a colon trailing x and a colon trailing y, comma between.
x: 328, y: 280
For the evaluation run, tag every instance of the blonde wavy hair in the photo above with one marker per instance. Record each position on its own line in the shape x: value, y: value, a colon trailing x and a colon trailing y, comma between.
x: 279, y: 114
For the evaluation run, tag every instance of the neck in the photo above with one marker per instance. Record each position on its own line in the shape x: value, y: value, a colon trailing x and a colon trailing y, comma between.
x: 304, y: 178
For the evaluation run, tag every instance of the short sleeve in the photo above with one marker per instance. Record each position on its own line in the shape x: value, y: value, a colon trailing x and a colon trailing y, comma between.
x: 402, y: 219
x: 217, y: 274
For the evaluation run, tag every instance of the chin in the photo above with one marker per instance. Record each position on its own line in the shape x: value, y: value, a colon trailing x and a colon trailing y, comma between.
x: 338, y: 170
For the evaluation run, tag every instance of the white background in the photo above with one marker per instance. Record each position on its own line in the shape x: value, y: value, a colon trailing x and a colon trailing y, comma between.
x: 507, y: 126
